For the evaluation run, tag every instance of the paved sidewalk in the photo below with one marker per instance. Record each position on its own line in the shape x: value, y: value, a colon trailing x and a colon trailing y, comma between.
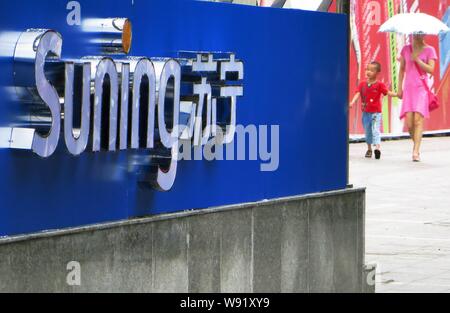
x: 407, y: 214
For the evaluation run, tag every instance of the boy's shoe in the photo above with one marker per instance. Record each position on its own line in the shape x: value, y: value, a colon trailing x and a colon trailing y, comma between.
x: 369, y: 154
x: 377, y: 154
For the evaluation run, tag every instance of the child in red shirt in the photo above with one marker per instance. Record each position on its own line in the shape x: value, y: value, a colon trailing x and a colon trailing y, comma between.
x: 371, y: 92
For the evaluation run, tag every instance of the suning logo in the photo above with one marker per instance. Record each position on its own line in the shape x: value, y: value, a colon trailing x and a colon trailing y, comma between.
x: 111, y: 104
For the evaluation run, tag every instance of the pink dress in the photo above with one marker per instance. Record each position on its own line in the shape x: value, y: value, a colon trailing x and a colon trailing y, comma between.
x: 415, y: 96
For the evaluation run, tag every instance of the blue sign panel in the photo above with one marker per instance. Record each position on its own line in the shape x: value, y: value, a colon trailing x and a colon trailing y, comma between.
x: 95, y: 97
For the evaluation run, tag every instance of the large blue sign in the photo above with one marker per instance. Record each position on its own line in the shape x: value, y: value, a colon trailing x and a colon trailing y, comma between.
x: 96, y: 97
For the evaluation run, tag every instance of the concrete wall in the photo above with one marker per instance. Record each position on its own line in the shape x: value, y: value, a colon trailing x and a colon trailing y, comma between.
x: 304, y: 244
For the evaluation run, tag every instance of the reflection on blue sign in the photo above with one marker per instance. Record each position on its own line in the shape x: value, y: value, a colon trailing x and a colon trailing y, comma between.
x: 72, y: 153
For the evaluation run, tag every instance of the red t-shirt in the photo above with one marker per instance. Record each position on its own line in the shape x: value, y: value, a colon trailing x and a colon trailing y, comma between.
x: 371, y: 96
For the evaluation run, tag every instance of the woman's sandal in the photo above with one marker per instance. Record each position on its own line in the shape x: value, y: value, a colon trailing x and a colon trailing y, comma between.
x: 416, y: 157
x: 369, y: 154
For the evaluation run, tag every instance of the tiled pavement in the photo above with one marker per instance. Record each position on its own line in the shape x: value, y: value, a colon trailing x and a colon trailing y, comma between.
x: 407, y: 214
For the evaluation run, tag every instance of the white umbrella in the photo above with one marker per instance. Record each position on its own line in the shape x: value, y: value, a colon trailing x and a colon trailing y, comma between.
x: 414, y: 23
x: 310, y: 5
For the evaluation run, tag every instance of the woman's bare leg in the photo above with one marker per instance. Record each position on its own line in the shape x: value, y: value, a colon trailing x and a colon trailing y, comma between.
x: 418, y: 132
x: 410, y: 124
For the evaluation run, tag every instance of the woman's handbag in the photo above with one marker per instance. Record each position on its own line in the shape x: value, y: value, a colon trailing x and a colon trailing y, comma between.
x: 433, y: 101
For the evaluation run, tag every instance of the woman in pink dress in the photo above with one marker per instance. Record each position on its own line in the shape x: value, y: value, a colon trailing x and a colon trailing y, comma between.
x: 412, y: 89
